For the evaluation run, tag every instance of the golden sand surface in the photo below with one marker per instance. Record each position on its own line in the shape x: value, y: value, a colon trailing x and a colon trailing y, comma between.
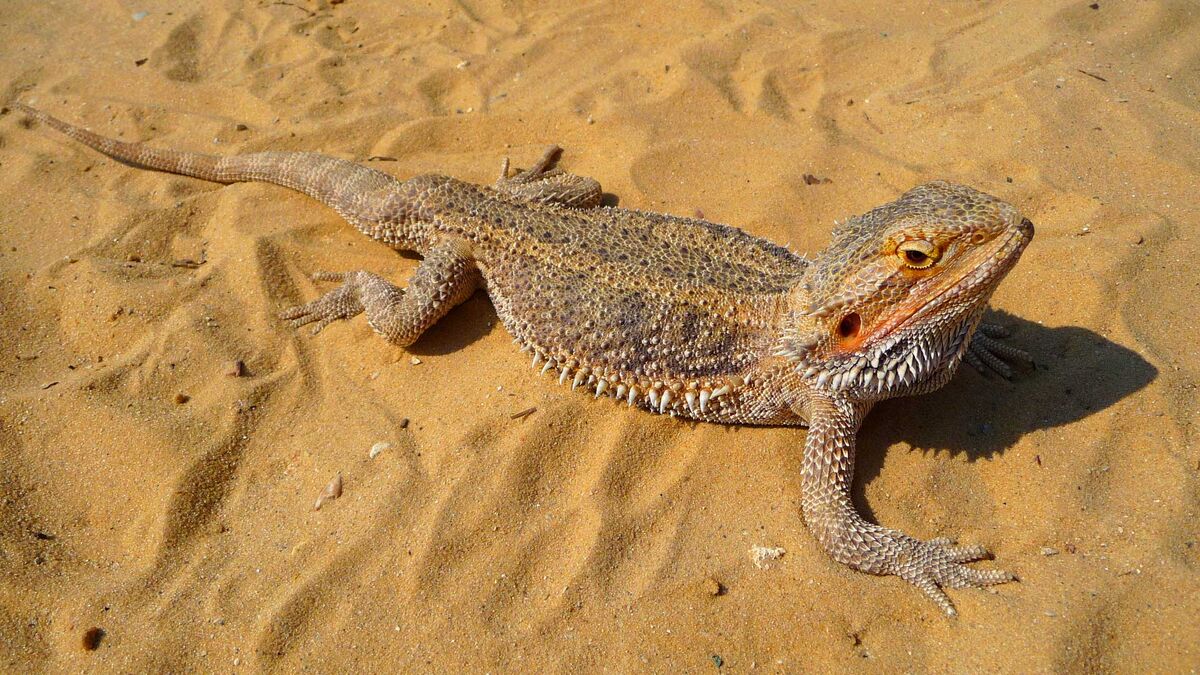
x: 156, y: 513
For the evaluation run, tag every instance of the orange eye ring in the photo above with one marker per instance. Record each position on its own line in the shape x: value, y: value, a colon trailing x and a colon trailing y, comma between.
x: 918, y: 254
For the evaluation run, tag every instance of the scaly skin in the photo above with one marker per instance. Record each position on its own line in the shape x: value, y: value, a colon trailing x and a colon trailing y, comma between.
x: 682, y: 316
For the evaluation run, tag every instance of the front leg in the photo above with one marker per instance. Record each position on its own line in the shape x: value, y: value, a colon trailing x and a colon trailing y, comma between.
x: 828, y: 468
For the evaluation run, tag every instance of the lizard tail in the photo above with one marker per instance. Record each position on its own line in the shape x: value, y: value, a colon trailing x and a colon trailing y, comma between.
x: 195, y: 164
x: 338, y: 183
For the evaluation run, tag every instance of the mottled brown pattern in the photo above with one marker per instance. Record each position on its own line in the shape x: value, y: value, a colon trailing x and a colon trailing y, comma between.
x: 679, y: 315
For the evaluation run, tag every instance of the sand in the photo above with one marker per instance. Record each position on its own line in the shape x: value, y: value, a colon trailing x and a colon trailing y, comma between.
x: 156, y: 513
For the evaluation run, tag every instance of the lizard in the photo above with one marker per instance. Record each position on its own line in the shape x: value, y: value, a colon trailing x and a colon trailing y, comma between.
x: 679, y: 315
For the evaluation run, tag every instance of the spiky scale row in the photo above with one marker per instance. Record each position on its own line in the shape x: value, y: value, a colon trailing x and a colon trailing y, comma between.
x: 694, y: 397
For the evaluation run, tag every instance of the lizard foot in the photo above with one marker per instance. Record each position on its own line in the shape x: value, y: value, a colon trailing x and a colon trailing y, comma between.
x: 343, y: 302
x: 988, y: 355
x: 938, y: 563
x: 545, y: 182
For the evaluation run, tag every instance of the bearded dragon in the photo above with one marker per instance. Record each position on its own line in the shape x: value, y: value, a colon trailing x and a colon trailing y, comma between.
x: 678, y: 315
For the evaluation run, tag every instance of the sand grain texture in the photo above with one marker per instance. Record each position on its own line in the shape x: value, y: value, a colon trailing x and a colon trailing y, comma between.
x: 583, y: 535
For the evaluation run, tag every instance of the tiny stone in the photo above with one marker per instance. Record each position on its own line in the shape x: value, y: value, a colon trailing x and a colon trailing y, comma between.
x: 235, y: 368
x: 378, y: 448
x: 713, y: 587
x: 404, y: 423
x: 92, y: 638
x: 182, y: 398
x: 1049, y: 550
x: 138, y: 16
x: 332, y: 491
x: 763, y: 556
x: 241, y: 127
x: 416, y: 361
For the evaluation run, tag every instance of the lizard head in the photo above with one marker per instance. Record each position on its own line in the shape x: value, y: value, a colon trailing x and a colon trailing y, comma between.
x: 888, y: 307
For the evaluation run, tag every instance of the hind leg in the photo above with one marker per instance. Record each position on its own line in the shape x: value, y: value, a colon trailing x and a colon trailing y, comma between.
x: 445, y: 278
x: 545, y: 182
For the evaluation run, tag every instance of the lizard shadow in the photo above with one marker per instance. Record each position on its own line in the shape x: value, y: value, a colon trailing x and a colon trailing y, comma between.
x: 1076, y: 372
x: 463, y: 325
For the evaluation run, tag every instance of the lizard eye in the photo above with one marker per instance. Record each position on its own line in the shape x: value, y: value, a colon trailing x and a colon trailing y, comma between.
x: 917, y: 254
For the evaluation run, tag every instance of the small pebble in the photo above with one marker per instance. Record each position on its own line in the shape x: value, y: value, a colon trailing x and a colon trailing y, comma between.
x: 763, y: 556
x: 378, y: 448
x: 92, y: 638
x: 713, y: 587
x: 404, y: 423
x: 241, y: 127
x: 235, y: 368
x: 332, y: 491
x: 182, y: 398
x: 416, y: 361
x: 1049, y: 550
x: 138, y: 16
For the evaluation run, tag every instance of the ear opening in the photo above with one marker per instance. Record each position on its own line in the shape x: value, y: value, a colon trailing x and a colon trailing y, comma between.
x: 850, y: 326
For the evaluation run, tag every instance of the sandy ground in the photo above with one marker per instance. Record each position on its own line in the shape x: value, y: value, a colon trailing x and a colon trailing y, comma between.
x: 584, y: 536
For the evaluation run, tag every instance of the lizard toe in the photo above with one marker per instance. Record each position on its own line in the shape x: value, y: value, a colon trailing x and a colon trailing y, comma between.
x: 960, y: 554
x: 933, y: 591
x: 988, y: 355
x: 938, y: 564
x: 323, y: 275
x: 340, y: 303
